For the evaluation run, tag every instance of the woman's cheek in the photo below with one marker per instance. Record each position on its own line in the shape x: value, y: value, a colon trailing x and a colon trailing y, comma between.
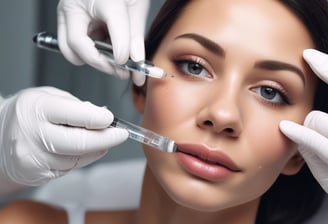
x: 166, y: 103
x: 272, y: 148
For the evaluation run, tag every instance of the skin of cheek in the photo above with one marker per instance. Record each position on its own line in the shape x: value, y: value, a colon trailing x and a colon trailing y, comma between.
x: 251, y: 185
x: 265, y: 155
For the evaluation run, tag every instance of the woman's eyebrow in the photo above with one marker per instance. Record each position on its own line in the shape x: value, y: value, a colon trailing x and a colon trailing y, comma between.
x: 279, y: 65
x: 205, y: 42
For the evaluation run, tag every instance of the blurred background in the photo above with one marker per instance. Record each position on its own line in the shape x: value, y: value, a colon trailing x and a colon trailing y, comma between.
x: 23, y: 65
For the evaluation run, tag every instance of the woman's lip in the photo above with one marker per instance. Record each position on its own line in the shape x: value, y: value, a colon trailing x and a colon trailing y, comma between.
x: 203, y: 153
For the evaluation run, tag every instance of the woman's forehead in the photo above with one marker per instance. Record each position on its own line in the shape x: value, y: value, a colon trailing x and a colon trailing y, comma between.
x: 257, y: 13
x: 262, y: 22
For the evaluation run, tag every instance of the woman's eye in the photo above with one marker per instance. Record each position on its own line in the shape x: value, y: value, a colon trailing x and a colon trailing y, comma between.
x: 192, y: 68
x: 272, y: 95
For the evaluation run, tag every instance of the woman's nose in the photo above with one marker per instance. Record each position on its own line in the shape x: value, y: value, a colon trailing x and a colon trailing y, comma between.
x: 221, y: 115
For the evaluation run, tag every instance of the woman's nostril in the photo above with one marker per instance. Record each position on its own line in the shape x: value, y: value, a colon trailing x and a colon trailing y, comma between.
x: 208, y: 123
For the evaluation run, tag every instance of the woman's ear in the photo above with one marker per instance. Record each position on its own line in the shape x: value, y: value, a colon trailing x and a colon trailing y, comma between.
x: 139, y: 98
x: 294, y: 165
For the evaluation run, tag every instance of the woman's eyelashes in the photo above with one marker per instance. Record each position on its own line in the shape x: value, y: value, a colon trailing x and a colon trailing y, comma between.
x: 272, y: 95
x: 192, y: 66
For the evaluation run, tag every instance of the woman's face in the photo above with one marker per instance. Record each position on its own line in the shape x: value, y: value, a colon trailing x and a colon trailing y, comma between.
x: 236, y: 71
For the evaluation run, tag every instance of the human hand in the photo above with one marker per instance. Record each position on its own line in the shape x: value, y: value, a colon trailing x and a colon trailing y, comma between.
x: 46, y: 132
x: 312, y: 138
x: 80, y: 21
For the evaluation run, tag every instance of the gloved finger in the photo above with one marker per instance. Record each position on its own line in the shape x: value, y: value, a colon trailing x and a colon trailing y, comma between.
x: 64, y: 111
x: 66, y: 140
x: 318, y: 121
x: 138, y: 79
x: 318, y: 168
x: 60, y: 107
x: 138, y: 15
x: 117, y: 19
x: 57, y: 92
x: 121, y: 73
x: 89, y: 158
x: 65, y: 163
x: 67, y: 52
x: 35, y: 168
x: 83, y: 46
x: 306, y: 138
x: 318, y: 62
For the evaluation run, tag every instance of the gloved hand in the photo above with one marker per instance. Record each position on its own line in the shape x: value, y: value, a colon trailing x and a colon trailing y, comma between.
x: 81, y: 20
x: 312, y: 138
x: 46, y: 132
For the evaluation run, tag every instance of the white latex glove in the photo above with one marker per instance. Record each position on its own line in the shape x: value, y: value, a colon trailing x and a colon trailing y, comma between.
x: 46, y: 132
x: 81, y: 20
x: 312, y: 138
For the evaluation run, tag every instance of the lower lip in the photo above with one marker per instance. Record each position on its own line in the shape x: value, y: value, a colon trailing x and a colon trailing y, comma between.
x: 202, y: 169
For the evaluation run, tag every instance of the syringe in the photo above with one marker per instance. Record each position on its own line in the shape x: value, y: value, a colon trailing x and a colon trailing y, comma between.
x: 145, y: 136
x: 49, y: 41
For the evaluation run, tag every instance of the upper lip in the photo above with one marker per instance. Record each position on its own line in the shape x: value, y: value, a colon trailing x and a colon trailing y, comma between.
x: 213, y: 156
